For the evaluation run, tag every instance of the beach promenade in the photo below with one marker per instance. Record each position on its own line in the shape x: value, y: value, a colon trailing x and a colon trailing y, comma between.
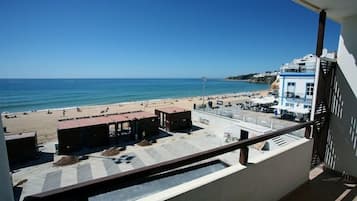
x: 44, y: 122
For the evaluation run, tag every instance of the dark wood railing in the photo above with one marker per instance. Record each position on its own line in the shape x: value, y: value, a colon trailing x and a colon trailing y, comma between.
x: 84, y: 190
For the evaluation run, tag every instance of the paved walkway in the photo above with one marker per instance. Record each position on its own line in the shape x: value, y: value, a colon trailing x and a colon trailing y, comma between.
x: 46, y: 177
x: 97, y: 166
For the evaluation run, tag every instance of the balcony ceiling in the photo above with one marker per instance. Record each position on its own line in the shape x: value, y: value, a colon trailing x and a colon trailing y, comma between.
x: 336, y: 10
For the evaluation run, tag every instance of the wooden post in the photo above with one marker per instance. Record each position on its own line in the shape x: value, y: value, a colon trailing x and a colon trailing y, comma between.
x: 116, y: 129
x: 243, y: 157
x: 121, y: 128
x: 321, y: 33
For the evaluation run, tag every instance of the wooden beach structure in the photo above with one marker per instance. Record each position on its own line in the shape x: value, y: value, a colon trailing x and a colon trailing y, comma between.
x: 96, y: 131
x: 21, y: 147
x: 174, y: 118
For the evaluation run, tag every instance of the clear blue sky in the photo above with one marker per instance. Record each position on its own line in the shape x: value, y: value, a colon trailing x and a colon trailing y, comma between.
x: 153, y: 38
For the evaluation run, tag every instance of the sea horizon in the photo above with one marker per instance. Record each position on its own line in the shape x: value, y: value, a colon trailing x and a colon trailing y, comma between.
x: 32, y: 94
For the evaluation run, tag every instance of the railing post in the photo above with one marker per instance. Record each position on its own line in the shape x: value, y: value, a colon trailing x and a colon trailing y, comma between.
x: 308, y: 132
x: 320, y: 33
x: 243, y: 157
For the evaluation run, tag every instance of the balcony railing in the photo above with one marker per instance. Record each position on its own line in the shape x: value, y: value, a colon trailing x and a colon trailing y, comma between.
x: 84, y: 190
x: 297, y: 97
x: 298, y: 69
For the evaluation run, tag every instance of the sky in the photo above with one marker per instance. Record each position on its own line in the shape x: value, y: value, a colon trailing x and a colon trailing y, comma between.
x: 154, y: 38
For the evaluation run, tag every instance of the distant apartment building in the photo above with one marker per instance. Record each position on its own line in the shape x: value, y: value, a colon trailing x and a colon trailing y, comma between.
x: 266, y: 77
x: 268, y: 73
x: 296, y: 86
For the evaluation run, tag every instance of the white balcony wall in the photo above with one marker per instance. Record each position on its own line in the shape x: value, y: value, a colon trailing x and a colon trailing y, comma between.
x: 270, y: 177
x: 6, y: 193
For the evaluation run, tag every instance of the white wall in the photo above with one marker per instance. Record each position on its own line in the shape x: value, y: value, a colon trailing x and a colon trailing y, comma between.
x: 6, y: 193
x: 341, y: 149
x: 347, y: 51
x: 271, y: 177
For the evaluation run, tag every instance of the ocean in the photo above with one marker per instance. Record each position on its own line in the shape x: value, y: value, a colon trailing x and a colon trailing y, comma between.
x: 37, y: 94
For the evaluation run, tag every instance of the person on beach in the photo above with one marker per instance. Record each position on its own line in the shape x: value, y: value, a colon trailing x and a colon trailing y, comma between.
x: 64, y: 112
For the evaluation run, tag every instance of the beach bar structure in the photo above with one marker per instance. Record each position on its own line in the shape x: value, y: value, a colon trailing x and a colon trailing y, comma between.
x: 21, y: 147
x: 78, y: 133
x: 174, y: 118
x: 96, y: 131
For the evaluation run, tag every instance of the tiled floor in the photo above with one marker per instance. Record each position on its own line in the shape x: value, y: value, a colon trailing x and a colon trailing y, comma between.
x: 324, y: 186
x: 99, y: 166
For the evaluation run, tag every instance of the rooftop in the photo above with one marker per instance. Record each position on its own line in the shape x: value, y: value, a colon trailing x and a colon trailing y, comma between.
x: 19, y: 136
x: 171, y: 110
x: 92, y: 121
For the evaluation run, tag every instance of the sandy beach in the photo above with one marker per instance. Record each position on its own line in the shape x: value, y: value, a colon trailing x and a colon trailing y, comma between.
x: 44, y: 122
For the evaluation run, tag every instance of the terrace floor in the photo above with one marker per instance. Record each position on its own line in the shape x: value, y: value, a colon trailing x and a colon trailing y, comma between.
x: 324, y: 186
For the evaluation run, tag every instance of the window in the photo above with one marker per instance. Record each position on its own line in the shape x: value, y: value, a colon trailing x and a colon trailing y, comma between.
x: 291, y: 84
x: 291, y: 90
x: 309, y: 89
x: 289, y: 105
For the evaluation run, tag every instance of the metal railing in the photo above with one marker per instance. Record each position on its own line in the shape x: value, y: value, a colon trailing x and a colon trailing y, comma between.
x: 298, y: 97
x: 236, y: 113
x: 84, y: 190
x: 311, y: 68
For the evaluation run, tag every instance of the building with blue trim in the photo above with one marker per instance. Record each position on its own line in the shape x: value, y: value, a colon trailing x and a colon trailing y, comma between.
x: 296, y: 87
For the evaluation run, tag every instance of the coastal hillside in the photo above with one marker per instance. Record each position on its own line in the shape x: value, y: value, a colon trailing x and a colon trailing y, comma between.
x: 242, y: 77
x: 266, y: 77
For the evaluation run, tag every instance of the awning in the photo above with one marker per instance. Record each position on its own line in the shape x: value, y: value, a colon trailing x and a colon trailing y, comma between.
x: 299, y: 110
x: 280, y: 107
x: 264, y: 100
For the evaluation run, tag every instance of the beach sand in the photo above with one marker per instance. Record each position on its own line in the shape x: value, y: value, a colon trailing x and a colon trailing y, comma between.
x: 45, y: 124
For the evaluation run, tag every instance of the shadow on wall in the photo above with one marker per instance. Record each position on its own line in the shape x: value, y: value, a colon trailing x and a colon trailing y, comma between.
x: 341, y: 152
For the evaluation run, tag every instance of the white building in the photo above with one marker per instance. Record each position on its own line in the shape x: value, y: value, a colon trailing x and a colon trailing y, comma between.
x: 265, y: 74
x: 296, y: 86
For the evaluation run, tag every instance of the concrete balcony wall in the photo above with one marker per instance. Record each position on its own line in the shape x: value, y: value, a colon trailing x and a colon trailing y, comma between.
x: 6, y: 193
x: 268, y: 177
